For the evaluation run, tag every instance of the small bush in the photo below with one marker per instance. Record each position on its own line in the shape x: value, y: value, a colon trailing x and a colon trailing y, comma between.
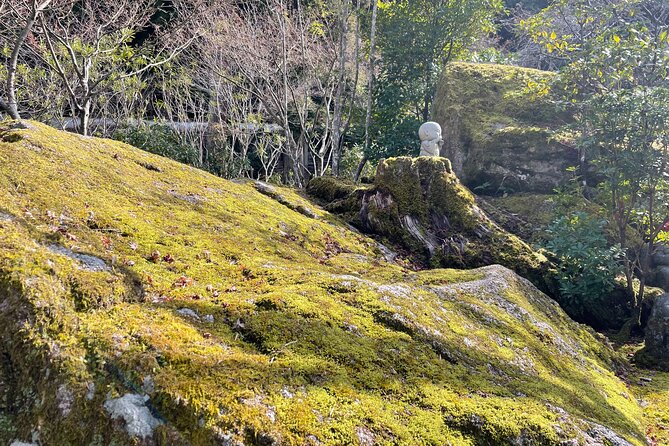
x: 159, y: 139
x: 588, y: 265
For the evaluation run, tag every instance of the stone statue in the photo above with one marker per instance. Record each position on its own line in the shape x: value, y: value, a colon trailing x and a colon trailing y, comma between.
x: 430, y: 139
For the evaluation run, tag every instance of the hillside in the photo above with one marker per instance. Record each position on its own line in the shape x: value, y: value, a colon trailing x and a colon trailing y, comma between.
x: 146, y: 302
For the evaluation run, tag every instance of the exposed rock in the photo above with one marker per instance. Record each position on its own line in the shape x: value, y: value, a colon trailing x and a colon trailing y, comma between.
x: 498, y: 136
x: 661, y: 255
x: 85, y: 261
x: 656, y: 350
x: 187, y: 312
x: 365, y: 436
x: 662, y: 277
x: 661, y: 264
x: 65, y: 399
x: 131, y: 408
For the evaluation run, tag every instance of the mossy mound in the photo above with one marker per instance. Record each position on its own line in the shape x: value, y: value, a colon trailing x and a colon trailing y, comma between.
x: 328, y: 188
x: 498, y: 129
x: 420, y: 206
x: 142, y: 297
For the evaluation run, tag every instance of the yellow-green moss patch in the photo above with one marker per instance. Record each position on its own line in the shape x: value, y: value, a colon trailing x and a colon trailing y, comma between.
x: 243, y: 319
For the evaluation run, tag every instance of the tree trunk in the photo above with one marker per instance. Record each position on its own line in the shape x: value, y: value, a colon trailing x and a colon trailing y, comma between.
x: 84, y: 118
x: 358, y: 171
x: 12, y: 103
x: 339, y: 106
x: 370, y: 87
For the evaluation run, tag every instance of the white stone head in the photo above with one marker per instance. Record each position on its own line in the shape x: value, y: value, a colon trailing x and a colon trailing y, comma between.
x: 431, y: 140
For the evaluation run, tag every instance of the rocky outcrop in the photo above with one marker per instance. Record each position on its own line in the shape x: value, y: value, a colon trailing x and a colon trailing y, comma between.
x: 656, y: 349
x: 499, y: 126
x: 420, y: 204
x: 661, y: 264
x: 234, y: 317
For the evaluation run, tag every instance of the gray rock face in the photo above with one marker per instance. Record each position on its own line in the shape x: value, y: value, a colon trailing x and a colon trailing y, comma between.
x: 661, y: 256
x: 662, y: 277
x: 85, y: 261
x: 499, y: 138
x: 657, y: 330
x: 139, y: 422
x: 661, y: 264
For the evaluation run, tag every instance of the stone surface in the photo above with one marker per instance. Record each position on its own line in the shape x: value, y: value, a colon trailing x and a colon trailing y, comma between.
x: 662, y: 277
x: 85, y: 261
x: 657, y: 330
x: 498, y: 136
x: 131, y: 408
x: 430, y: 139
x: 661, y: 256
x: 187, y: 312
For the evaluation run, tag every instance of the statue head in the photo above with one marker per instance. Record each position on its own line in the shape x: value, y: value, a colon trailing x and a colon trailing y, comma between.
x: 431, y: 140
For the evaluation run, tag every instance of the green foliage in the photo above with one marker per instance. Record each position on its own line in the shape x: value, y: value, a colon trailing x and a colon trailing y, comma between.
x: 159, y: 139
x: 588, y: 265
x: 616, y: 79
x: 351, y: 159
x: 416, y: 39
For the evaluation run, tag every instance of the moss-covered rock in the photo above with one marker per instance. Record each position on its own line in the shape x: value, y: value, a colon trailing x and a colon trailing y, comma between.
x: 222, y: 315
x: 526, y: 215
x: 498, y: 132
x: 420, y: 205
x: 656, y: 350
x: 328, y: 188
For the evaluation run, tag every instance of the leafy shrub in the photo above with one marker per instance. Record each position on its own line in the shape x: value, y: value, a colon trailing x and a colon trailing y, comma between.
x: 588, y: 264
x: 159, y: 139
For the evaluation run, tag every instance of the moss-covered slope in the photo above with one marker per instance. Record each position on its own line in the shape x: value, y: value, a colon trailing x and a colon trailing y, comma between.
x: 142, y: 297
x: 499, y: 128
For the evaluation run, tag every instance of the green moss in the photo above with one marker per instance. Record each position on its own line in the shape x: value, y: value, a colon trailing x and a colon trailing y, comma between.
x: 525, y: 215
x: 653, y: 390
x: 329, y: 189
x: 300, y: 331
x: 499, y: 128
x: 420, y: 203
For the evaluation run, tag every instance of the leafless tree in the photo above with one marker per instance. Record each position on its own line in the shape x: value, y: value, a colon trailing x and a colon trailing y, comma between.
x: 89, y: 46
x: 370, y: 89
x: 270, y: 55
x: 25, y: 14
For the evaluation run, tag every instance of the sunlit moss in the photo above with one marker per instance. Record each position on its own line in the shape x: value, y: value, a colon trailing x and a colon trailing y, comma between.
x: 299, y: 332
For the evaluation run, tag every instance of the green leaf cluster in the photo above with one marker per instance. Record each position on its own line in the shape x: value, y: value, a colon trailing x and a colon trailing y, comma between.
x: 587, y: 264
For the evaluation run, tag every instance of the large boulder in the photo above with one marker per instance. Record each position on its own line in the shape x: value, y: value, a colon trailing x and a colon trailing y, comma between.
x: 661, y: 265
x: 144, y: 302
x: 656, y: 350
x: 498, y: 131
x: 661, y: 255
